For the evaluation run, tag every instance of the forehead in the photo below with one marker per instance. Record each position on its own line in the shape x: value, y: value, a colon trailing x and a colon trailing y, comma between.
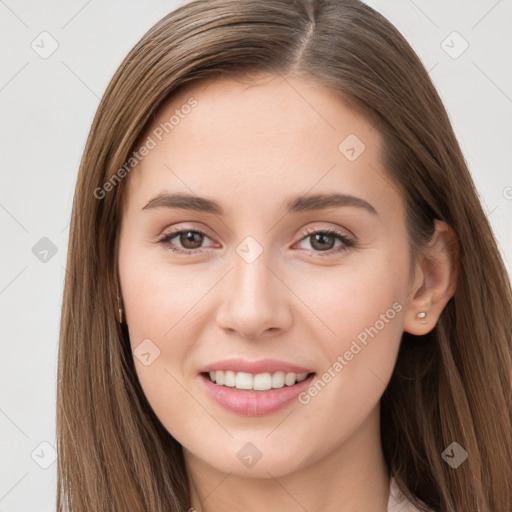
x: 253, y: 142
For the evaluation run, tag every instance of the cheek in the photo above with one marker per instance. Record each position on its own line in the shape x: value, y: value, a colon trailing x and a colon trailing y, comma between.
x: 160, y: 316
x: 159, y: 298
x: 164, y: 309
x: 349, y: 301
x: 359, y: 328
x: 365, y: 312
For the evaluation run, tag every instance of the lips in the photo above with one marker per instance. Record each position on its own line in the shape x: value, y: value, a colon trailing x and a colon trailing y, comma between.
x: 254, y: 388
x: 254, y: 367
x: 253, y: 403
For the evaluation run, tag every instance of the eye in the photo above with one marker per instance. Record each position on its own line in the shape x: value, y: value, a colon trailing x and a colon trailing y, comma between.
x: 321, y: 240
x: 190, y: 240
x: 324, y: 240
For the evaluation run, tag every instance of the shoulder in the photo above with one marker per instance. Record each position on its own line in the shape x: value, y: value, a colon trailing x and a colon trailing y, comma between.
x: 399, y: 503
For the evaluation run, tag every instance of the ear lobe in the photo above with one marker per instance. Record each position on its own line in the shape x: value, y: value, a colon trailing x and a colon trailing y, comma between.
x: 435, y: 283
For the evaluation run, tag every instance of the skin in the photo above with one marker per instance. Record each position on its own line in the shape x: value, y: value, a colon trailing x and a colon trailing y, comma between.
x: 250, y: 145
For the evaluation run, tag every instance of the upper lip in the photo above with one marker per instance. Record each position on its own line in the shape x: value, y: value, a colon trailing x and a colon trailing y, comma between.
x: 255, y: 367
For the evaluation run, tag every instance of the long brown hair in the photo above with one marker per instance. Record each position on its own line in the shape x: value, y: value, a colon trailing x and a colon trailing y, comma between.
x: 452, y: 385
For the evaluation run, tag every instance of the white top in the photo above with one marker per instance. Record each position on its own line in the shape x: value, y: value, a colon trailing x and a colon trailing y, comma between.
x: 398, y: 502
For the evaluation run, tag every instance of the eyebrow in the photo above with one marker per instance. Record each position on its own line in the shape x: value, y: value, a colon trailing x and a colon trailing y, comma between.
x: 295, y: 205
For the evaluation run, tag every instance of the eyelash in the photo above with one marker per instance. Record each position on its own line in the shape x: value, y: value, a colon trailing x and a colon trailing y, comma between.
x: 348, y: 243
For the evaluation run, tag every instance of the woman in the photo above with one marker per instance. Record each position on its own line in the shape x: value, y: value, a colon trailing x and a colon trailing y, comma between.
x: 282, y: 290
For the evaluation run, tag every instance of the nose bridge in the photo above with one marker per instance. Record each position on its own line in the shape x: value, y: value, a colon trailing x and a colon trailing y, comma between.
x: 251, y: 275
x: 252, y: 301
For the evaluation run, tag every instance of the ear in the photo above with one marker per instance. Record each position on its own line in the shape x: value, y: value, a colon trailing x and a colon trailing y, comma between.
x: 435, y: 281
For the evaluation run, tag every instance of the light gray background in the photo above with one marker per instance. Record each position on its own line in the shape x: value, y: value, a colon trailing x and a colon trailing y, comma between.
x: 47, y: 107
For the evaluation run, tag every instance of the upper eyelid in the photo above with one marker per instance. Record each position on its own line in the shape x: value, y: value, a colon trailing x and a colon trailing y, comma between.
x: 306, y: 232
x: 171, y: 233
x: 310, y: 231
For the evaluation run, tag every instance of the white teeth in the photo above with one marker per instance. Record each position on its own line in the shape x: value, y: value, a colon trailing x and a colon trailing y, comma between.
x: 290, y: 378
x: 258, y: 382
x: 278, y: 380
x: 230, y: 379
x: 262, y: 382
x: 220, y: 378
x: 243, y: 380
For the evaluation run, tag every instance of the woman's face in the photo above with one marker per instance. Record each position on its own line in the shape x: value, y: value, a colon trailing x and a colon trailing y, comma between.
x: 264, y: 289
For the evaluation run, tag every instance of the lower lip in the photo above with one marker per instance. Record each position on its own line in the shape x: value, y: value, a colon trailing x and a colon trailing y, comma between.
x: 254, y: 403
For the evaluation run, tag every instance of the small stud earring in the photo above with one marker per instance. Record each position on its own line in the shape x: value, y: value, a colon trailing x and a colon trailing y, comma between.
x: 422, y: 314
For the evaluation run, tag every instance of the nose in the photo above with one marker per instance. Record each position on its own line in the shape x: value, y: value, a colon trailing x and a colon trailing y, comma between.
x: 254, y: 300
